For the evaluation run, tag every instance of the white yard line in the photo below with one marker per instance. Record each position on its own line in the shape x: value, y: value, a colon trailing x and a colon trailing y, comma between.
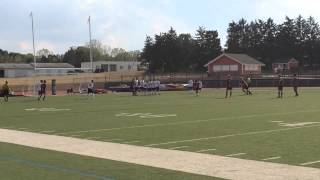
x: 231, y: 135
x: 205, y: 150
x: 309, y: 163
x: 180, y: 147
x: 238, y: 154
x: 271, y: 158
x: 189, y: 122
x: 188, y: 162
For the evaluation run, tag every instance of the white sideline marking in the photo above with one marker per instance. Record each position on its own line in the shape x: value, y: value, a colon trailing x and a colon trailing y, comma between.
x: 231, y: 135
x: 188, y: 162
x: 181, y: 147
x: 297, y: 124
x: 272, y: 158
x: 189, y: 122
x: 145, y: 115
x: 238, y: 154
x: 309, y: 163
x: 205, y: 150
x: 131, y: 142
x: 47, y: 109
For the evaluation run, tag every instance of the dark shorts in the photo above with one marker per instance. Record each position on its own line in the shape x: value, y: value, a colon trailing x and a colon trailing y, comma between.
x: 280, y: 88
x: 5, y: 92
x: 39, y: 92
x: 229, y: 88
x: 90, y: 90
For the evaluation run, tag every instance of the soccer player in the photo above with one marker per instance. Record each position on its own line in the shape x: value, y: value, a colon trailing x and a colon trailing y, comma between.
x: 39, y: 89
x: 244, y: 85
x: 197, y: 87
x: 280, y: 87
x: 249, y: 81
x: 5, y: 91
x: 91, y: 88
x: 43, y: 88
x: 228, y: 87
x: 295, y: 84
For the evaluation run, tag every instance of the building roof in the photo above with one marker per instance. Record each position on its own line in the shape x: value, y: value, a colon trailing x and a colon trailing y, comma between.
x: 240, y: 58
x: 53, y: 65
x: 15, y: 66
x: 284, y: 60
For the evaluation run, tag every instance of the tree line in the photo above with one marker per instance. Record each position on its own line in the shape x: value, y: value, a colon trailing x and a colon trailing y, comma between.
x: 262, y: 39
x: 75, y: 55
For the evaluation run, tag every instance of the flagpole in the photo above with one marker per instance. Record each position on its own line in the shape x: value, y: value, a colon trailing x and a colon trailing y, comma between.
x: 90, y: 44
x: 34, y: 50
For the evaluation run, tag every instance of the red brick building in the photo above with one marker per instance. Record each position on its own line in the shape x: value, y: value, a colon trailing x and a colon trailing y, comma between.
x: 284, y: 65
x: 235, y: 64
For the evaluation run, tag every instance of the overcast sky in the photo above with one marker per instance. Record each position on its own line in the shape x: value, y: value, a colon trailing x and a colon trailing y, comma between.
x: 60, y: 24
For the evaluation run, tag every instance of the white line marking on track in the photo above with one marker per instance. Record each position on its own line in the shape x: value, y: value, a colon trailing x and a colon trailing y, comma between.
x: 181, y: 147
x: 131, y: 142
x: 238, y: 154
x: 231, y: 135
x: 206, y: 150
x: 271, y: 158
x: 190, y: 122
x: 309, y: 163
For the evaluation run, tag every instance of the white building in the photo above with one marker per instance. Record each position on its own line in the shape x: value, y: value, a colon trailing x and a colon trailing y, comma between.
x: 111, y: 66
x: 53, y: 69
x: 11, y: 70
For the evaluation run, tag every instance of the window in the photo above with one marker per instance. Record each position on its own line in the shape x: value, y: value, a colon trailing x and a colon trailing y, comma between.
x: 105, y: 67
x: 225, y: 68
x: 234, y: 68
x: 113, y: 67
x: 217, y: 68
x: 251, y: 67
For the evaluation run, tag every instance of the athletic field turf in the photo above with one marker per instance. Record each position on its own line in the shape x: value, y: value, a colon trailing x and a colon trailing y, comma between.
x: 259, y: 127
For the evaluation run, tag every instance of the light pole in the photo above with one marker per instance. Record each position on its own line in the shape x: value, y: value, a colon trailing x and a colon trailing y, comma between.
x: 34, y: 49
x: 90, y: 45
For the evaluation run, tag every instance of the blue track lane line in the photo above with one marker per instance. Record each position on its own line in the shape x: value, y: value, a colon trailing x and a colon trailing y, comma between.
x: 54, y: 168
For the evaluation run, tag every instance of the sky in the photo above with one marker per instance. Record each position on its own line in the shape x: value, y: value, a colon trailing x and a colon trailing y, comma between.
x: 61, y: 24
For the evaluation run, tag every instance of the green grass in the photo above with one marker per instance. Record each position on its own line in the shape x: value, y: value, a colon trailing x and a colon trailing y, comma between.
x: 241, y: 124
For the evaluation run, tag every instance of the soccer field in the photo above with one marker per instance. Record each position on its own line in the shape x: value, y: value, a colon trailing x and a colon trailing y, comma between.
x: 259, y: 127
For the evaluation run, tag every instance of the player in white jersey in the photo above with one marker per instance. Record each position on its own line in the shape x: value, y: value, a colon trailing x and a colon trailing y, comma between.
x: 158, y: 84
x: 91, y: 89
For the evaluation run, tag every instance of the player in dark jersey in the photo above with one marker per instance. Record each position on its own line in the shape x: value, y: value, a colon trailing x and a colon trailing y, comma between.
x: 197, y: 87
x: 280, y: 87
x: 228, y: 87
x: 295, y: 84
x: 43, y: 90
x: 5, y: 91
x: 244, y: 85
